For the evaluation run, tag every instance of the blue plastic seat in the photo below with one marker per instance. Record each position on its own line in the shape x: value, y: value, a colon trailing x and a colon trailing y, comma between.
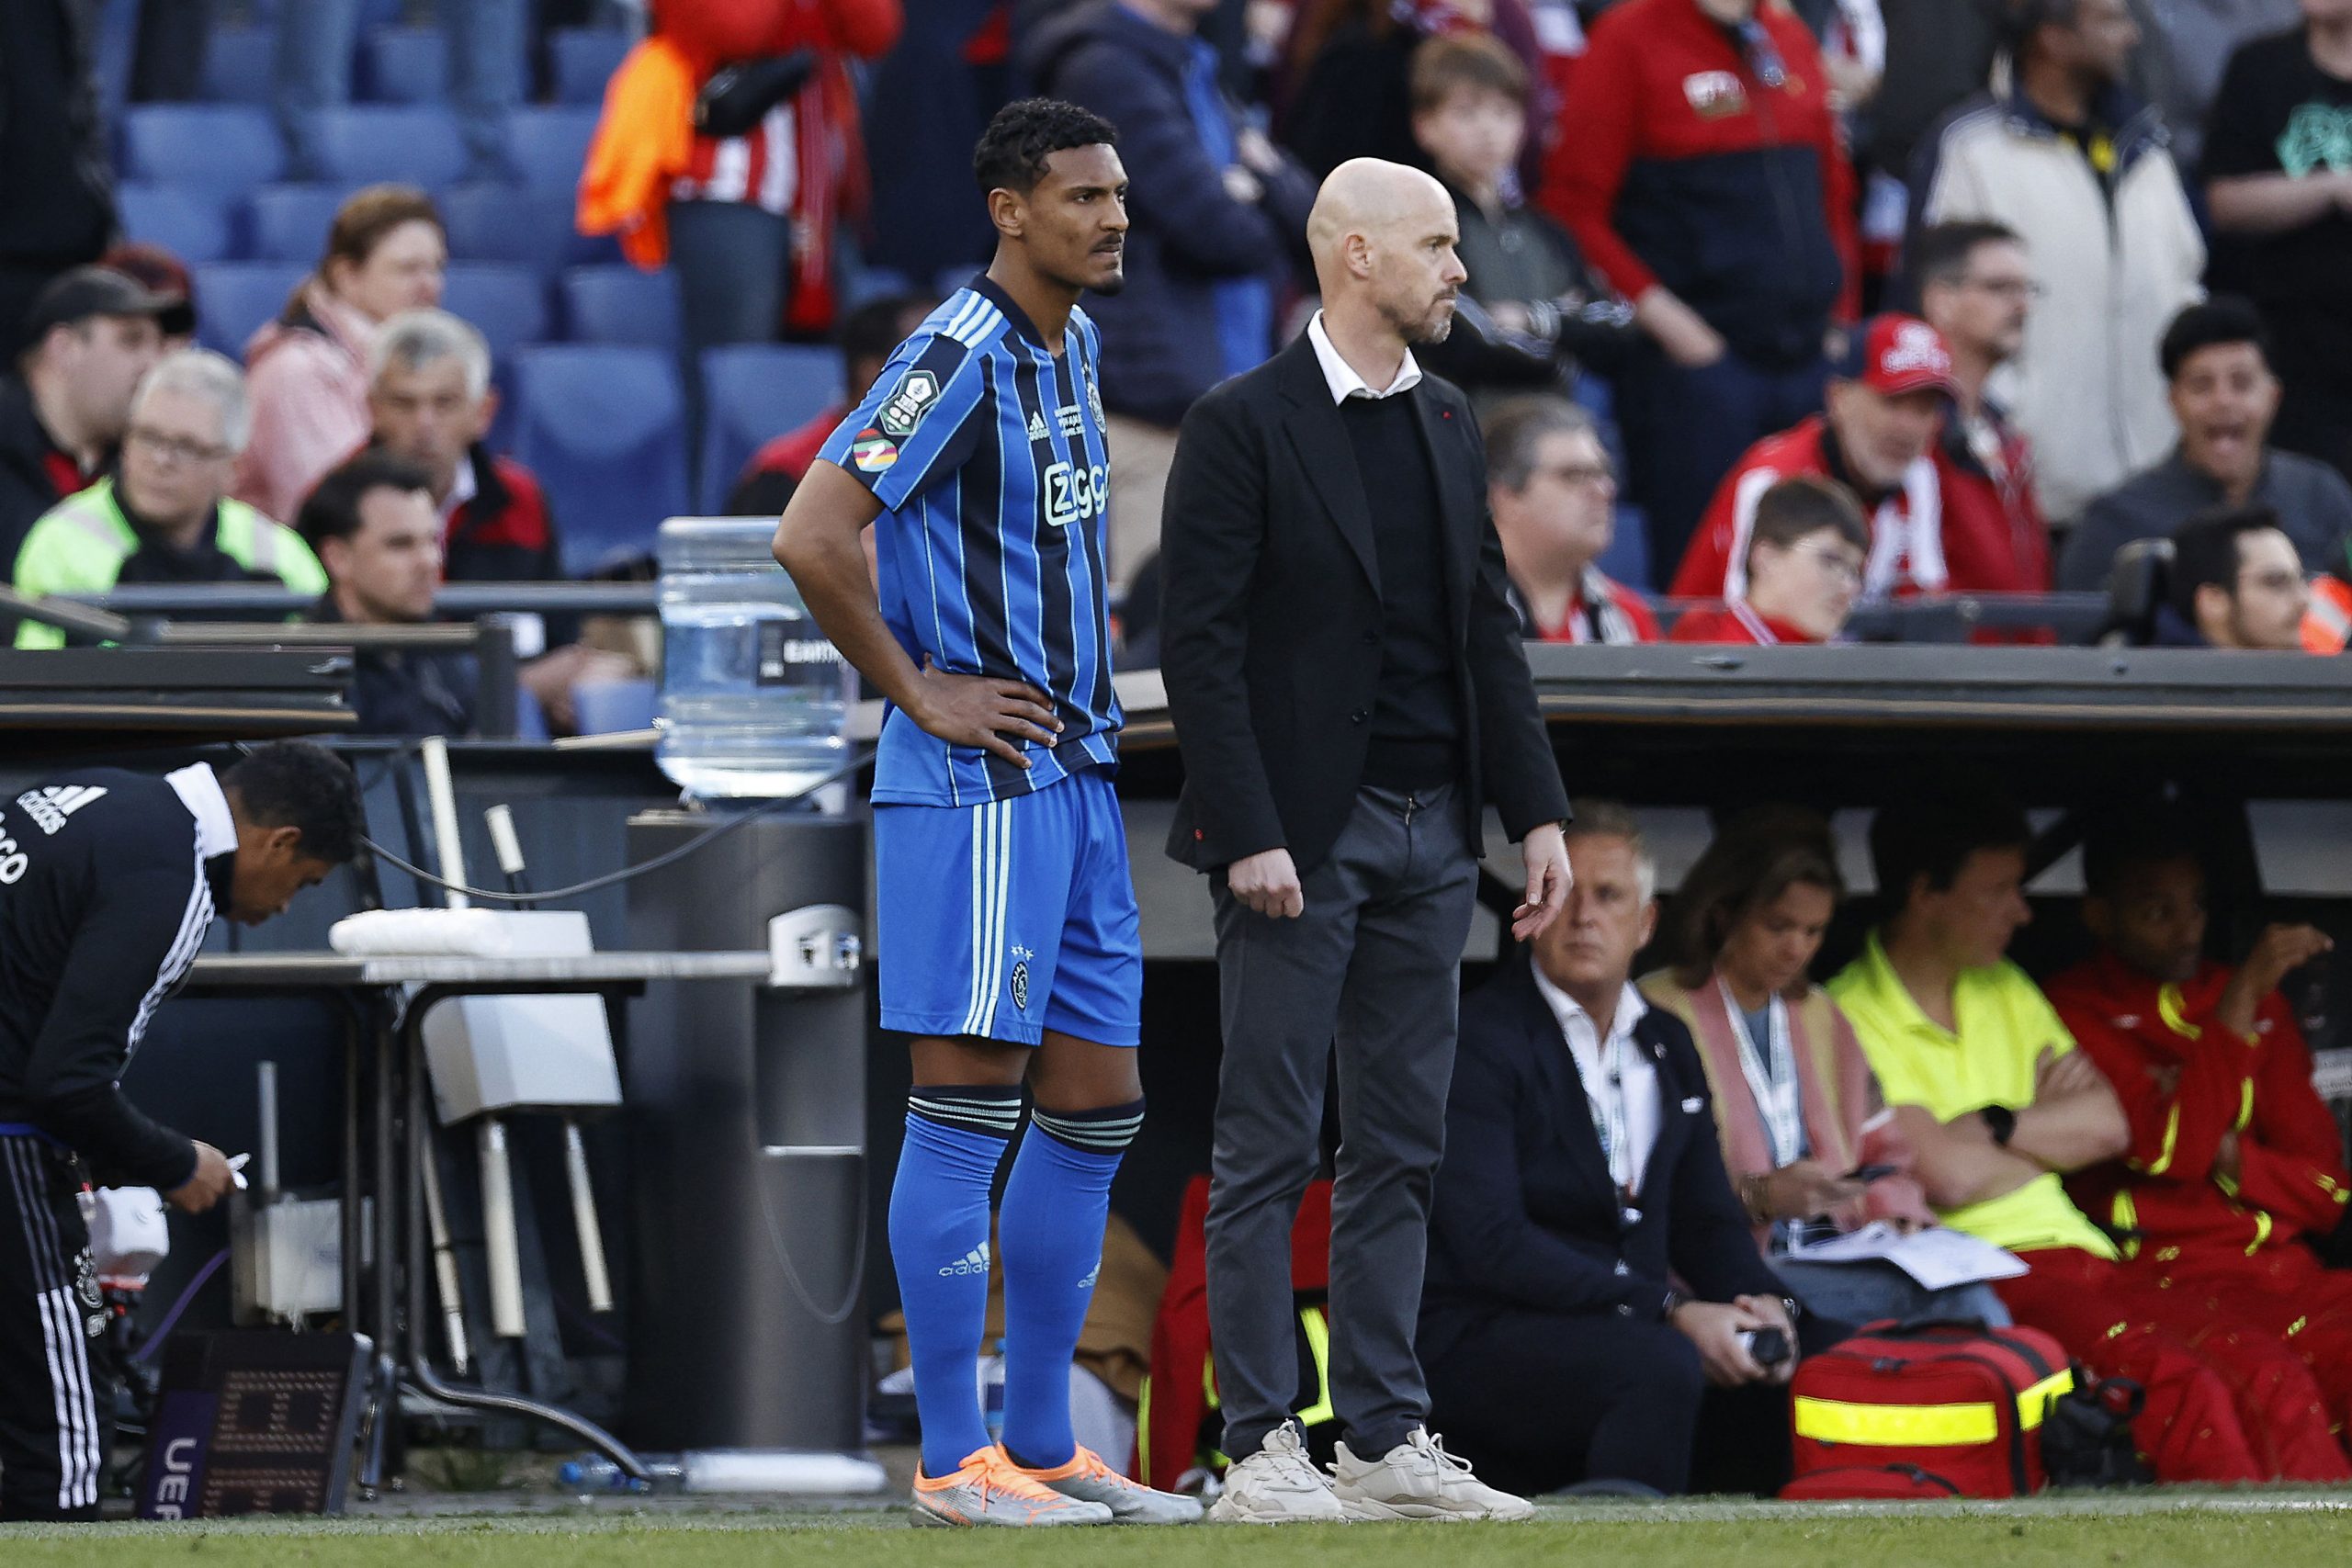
x: 197, y: 226
x: 404, y: 65
x: 548, y: 147
x: 233, y: 298
x: 290, y: 221
x: 752, y: 392
x: 611, y: 708
x: 604, y: 427
x: 583, y: 60
x: 1627, y: 558
x: 534, y: 228
x: 240, y: 65
x: 231, y: 148
x: 507, y: 304
x: 621, y: 305
x: 414, y: 144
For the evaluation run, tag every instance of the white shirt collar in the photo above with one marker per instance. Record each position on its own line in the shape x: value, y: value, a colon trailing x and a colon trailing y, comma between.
x: 1341, y: 378
x: 199, y: 791
x: 461, y: 489
x: 1578, y: 1025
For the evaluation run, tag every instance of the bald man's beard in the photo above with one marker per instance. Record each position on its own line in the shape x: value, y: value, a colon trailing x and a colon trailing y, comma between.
x: 1430, y: 326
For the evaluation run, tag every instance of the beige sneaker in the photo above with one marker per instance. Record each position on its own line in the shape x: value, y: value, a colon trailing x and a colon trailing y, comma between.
x: 987, y: 1489
x: 1418, y: 1480
x: 1089, y: 1480
x: 1277, y: 1486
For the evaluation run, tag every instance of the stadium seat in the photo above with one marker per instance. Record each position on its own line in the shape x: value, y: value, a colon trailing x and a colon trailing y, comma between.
x: 751, y: 393
x: 550, y: 146
x: 290, y: 221
x: 195, y: 225
x: 1627, y: 558
x: 217, y: 147
x: 604, y: 427
x: 416, y: 144
x: 621, y: 305
x: 507, y: 224
x: 507, y: 304
x: 240, y: 65
x: 583, y: 60
x: 610, y: 708
x: 404, y: 65
x: 233, y: 298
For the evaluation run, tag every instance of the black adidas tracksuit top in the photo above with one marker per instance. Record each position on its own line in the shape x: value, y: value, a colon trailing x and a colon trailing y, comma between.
x: 108, y: 882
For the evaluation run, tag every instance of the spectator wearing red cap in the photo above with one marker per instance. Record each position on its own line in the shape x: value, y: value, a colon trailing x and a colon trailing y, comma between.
x: 1804, y: 567
x: 1886, y: 404
x: 1977, y: 287
x: 1702, y: 174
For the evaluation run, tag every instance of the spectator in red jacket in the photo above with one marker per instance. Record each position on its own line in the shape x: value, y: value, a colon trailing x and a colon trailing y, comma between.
x: 430, y: 403
x: 1803, y: 569
x: 2236, y: 1162
x: 1703, y: 173
x: 1885, y: 406
x: 868, y: 335
x: 1976, y: 286
x: 1553, y: 492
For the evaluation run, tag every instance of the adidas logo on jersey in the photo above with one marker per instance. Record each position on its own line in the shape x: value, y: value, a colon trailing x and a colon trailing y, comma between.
x: 1036, y: 427
x: 50, y: 807
x: 973, y: 1262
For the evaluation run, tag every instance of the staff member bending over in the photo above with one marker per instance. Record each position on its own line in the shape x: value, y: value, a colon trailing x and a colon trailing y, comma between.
x: 108, y: 882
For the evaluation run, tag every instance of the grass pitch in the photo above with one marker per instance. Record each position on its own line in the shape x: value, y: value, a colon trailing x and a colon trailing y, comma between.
x: 2143, y: 1530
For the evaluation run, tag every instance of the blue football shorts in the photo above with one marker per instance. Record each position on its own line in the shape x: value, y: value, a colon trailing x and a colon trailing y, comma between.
x: 1006, y: 919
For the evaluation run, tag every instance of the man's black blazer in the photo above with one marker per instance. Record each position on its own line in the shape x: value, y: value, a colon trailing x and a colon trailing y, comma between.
x: 1525, y: 1217
x: 1270, y: 620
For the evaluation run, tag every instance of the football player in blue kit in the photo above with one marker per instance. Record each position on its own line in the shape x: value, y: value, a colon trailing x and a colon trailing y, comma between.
x: 1009, y: 942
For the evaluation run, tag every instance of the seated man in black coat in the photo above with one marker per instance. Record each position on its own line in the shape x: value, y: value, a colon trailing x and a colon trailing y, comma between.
x: 1590, y: 1272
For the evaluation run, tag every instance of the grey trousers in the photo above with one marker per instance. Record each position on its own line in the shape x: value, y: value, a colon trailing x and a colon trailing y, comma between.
x: 1374, y: 966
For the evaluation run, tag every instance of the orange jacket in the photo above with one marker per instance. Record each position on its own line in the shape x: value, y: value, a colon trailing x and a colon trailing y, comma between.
x: 2185, y: 1082
x: 645, y: 138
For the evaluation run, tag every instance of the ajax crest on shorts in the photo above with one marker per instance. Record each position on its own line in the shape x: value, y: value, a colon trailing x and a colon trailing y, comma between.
x: 1020, y: 981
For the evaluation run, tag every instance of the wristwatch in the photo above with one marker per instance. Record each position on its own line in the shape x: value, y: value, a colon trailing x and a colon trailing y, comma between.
x: 2002, y: 1121
x: 1672, y: 1300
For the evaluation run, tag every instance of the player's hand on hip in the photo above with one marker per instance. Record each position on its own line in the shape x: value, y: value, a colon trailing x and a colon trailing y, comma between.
x: 1546, y: 852
x: 1267, y: 882
x: 982, y: 710
x: 207, y: 1186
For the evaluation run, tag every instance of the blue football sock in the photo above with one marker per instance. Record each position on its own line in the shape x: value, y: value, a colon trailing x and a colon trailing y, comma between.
x: 1056, y: 1206
x: 939, y: 1240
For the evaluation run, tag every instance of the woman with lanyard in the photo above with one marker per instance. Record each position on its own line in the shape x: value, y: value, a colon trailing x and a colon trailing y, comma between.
x: 1795, y: 1103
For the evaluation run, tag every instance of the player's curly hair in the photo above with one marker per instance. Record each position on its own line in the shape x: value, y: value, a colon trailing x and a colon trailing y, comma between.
x: 292, y: 784
x: 1012, y: 151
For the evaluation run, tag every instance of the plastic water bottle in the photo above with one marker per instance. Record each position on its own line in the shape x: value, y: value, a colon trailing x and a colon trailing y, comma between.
x: 595, y: 1472
x: 754, y: 699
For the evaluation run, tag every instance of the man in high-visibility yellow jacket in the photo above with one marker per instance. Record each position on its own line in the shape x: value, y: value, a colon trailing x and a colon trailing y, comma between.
x: 165, y: 516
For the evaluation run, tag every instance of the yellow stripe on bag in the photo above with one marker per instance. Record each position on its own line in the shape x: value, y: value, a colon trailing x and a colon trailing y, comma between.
x: 1896, y: 1426
x: 2034, y: 1402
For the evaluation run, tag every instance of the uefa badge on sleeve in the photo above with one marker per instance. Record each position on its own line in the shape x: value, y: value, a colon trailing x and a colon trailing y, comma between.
x: 873, y: 452
x: 908, y: 402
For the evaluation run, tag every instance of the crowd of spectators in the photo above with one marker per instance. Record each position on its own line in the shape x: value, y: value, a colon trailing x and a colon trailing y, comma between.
x: 2018, y: 284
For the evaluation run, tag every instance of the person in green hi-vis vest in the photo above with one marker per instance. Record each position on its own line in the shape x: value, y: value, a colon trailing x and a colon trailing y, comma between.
x: 164, y: 516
